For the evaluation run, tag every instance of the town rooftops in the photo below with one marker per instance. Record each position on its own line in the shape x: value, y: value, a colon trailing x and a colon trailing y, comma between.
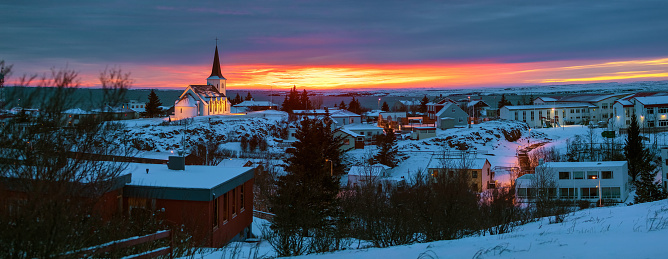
x: 588, y: 98
x: 457, y: 163
x: 361, y: 126
x: 198, y: 183
x: 372, y: 170
x: 332, y: 112
x: 549, y: 106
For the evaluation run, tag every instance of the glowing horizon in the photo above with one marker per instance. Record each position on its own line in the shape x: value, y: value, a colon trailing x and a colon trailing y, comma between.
x: 374, y: 76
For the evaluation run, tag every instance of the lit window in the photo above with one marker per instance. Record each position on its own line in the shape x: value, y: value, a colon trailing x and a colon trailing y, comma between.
x: 592, y: 174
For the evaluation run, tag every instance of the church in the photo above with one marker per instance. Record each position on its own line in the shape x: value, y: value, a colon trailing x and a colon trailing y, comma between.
x: 202, y: 100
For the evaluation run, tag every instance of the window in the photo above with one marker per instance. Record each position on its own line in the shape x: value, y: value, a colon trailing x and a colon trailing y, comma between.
x: 568, y: 193
x: 552, y: 193
x: 650, y: 124
x: 516, y: 116
x: 346, y: 141
x: 540, y: 114
x: 578, y: 175
x: 663, y: 110
x: 663, y: 123
x: 453, y: 109
x: 649, y: 111
x: 564, y: 175
x: 606, y: 175
x: 604, y: 106
x: 225, y: 205
x: 589, y: 193
x: 474, y: 174
x: 215, y: 213
x: 572, y: 111
x: 234, y: 202
x: 611, y: 192
x: 532, y: 115
x: 592, y: 175
x: 474, y: 187
x: 241, y: 198
x: 522, y: 192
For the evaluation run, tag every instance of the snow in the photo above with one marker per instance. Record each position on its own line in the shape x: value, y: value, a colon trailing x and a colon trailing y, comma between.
x: 652, y: 100
x: 194, y: 176
x: 637, y: 231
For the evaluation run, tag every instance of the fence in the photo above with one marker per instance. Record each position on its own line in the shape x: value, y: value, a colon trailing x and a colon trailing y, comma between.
x: 129, y: 242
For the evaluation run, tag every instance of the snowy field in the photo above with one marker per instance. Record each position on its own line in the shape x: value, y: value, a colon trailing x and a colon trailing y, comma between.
x: 637, y: 231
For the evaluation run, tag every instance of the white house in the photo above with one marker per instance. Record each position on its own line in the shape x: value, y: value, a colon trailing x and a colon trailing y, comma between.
x: 368, y: 131
x: 603, y: 103
x: 450, y: 115
x: 651, y: 111
x: 377, y: 173
x: 608, y: 180
x: 202, y: 100
x: 478, y: 170
x: 340, y: 117
x: 548, y: 115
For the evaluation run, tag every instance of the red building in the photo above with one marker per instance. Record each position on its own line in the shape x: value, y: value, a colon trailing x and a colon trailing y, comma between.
x: 214, y: 203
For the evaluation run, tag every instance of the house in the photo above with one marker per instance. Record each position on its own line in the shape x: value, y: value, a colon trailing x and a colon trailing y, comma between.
x: 420, y: 133
x: 76, y: 115
x: 603, y: 104
x: 451, y: 115
x: 378, y: 173
x: 252, y: 105
x: 371, y: 116
x: 478, y: 170
x: 549, y: 115
x: 651, y: 111
x: 215, y: 203
x: 340, y: 117
x: 477, y: 110
x: 351, y: 140
x: 368, y: 131
x: 203, y: 100
x: 589, y: 181
x: 391, y: 119
x: 435, y: 107
x: 135, y: 105
x: 118, y: 113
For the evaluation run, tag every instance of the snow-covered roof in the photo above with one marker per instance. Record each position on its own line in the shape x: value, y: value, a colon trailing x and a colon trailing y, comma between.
x: 584, y: 164
x: 206, y: 91
x: 547, y: 99
x: 193, y: 177
x: 373, y: 113
x: 410, y: 103
x: 445, y: 108
x: 393, y: 114
x: 362, y: 126
x: 76, y: 111
x: 457, y: 163
x: 373, y: 170
x: 652, y: 100
x: 549, y: 106
x: 347, y: 131
x: 477, y: 102
x: 589, y: 98
x: 252, y: 103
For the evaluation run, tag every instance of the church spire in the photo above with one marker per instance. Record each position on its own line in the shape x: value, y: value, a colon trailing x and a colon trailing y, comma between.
x: 215, y: 70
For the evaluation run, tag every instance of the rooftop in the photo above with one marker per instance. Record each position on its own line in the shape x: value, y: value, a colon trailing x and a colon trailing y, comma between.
x: 193, y: 177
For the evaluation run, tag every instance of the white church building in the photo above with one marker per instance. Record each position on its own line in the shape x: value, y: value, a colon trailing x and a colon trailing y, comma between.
x: 202, y: 100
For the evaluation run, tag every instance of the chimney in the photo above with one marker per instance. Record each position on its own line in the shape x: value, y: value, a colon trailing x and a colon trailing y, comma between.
x: 176, y: 163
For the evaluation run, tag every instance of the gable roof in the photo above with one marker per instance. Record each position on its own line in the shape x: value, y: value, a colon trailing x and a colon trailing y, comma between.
x: 652, y: 100
x: 446, y: 107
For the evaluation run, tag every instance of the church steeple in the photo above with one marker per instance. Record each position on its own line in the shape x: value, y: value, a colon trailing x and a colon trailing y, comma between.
x: 216, y: 78
x: 215, y: 70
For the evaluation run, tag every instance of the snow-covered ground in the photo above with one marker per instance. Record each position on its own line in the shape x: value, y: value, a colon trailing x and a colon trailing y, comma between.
x: 637, y: 231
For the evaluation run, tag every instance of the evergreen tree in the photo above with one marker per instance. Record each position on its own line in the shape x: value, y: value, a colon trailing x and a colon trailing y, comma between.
x: 423, y: 104
x: 634, y: 149
x: 153, y: 105
x: 292, y: 101
x: 387, y: 148
x: 304, y: 102
x: 306, y: 200
x: 641, y: 166
x: 237, y: 100
x: 504, y: 101
x: 385, y: 107
x: 354, y: 106
x: 248, y: 97
x: 343, y: 106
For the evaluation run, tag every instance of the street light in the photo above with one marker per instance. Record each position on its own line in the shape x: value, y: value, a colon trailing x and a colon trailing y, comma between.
x: 600, y: 198
x: 378, y: 103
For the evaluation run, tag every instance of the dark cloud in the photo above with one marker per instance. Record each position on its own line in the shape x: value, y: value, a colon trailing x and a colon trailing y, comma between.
x: 324, y: 32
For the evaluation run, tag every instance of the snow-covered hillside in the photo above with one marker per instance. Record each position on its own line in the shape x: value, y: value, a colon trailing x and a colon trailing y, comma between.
x: 637, y: 231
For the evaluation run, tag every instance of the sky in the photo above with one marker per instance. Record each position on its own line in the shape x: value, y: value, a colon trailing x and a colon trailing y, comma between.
x: 341, y: 44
